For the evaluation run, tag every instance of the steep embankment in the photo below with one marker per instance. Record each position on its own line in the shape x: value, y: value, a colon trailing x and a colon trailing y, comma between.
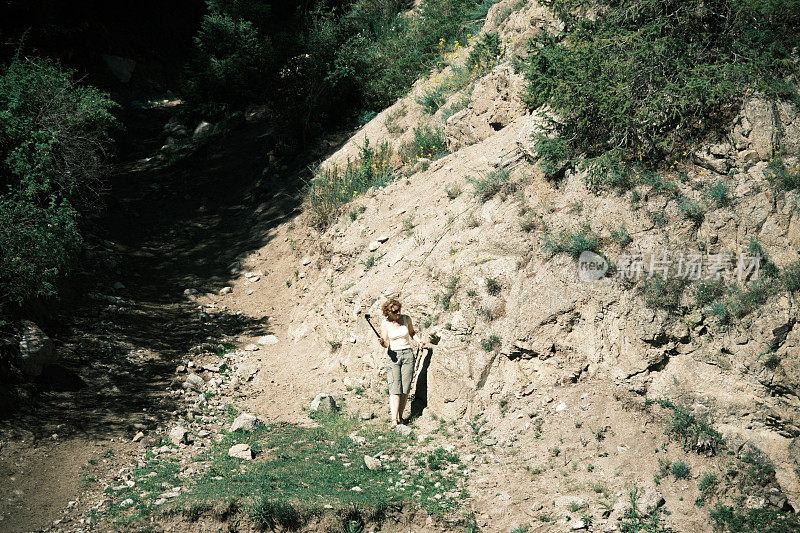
x: 567, y: 404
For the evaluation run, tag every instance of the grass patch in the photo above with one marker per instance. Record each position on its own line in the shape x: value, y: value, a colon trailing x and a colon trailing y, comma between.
x: 708, y: 291
x: 452, y: 190
x: 718, y: 193
x: 296, y: 472
x: 492, y: 183
x: 765, y: 520
x: 493, y: 286
x: 661, y: 292
x: 680, y: 470
x: 572, y: 243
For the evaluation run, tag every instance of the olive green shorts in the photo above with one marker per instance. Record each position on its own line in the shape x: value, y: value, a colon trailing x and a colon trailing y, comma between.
x: 400, y: 371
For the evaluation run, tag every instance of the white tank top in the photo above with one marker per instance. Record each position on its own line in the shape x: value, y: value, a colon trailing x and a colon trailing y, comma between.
x: 399, y: 339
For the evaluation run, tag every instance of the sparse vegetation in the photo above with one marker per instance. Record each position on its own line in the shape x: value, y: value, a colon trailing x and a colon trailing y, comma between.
x: 493, y: 286
x: 663, y: 292
x: 492, y: 183
x: 571, y: 242
x: 680, y: 470
x: 452, y: 190
x: 692, y: 433
x: 490, y: 343
x: 428, y: 142
x: 719, y: 193
x: 332, y: 188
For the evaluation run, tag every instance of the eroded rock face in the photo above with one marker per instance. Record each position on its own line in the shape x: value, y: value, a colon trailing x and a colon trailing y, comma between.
x: 36, y: 350
x: 495, y: 103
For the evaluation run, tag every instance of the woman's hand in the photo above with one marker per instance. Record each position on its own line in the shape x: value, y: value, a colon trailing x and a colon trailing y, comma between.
x: 381, y: 342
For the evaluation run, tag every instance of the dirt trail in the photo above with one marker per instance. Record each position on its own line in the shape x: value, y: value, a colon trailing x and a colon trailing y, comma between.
x: 167, y: 227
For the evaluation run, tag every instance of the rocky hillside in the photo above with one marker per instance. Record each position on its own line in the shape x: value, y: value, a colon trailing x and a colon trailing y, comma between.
x: 512, y: 320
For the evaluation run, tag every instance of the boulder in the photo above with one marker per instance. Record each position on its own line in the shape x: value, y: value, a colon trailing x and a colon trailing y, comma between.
x: 241, y: 451
x: 244, y: 422
x: 178, y: 435
x: 323, y: 402
x: 372, y: 463
x: 36, y: 350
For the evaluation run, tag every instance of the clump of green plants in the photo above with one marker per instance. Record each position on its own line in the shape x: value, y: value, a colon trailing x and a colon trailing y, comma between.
x: 553, y: 153
x: 621, y: 237
x: 680, y: 470
x: 764, y: 520
x: 428, y: 142
x: 493, y: 286
x: 719, y: 193
x: 484, y: 54
x: 55, y: 134
x: 446, y: 298
x: 369, y: 262
x: 647, y: 79
x: 452, y: 190
x: 709, y: 290
x: 490, y: 343
x: 356, y: 211
x: 571, y: 242
x: 332, y: 188
x: 708, y: 485
x: 663, y: 292
x: 635, y: 521
x: 691, y: 211
x: 693, y: 434
x: 791, y: 277
x: 492, y: 183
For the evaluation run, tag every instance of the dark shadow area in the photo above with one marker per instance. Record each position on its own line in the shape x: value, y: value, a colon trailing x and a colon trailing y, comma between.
x: 420, y: 401
x: 171, y: 224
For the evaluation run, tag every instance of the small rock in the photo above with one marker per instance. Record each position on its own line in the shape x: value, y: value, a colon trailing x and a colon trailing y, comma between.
x: 577, y: 524
x: 366, y: 415
x: 402, y: 429
x: 139, y: 436
x: 249, y: 292
x: 323, y: 402
x: 246, y: 372
x: 374, y: 245
x: 560, y: 407
x: 489, y: 441
x: 371, y: 462
x: 226, y: 290
x: 306, y: 260
x: 356, y: 489
x: 241, y: 451
x: 382, y: 239
x: 202, y: 129
x: 358, y: 439
x: 268, y: 340
x: 194, y: 382
x: 118, y: 286
x: 178, y: 435
x: 244, y: 422
x: 189, y: 292
x: 252, y: 348
x: 126, y: 503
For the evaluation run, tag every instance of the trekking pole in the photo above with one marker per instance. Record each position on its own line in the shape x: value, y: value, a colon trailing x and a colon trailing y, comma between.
x: 367, y: 317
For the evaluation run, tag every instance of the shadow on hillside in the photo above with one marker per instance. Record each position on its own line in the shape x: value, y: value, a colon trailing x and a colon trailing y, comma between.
x: 167, y: 227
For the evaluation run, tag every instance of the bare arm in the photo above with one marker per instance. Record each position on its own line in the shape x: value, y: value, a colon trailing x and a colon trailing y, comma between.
x: 413, y: 334
x: 384, y: 338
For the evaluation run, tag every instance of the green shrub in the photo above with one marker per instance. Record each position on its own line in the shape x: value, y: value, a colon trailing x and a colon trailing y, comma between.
x: 492, y: 183
x: 493, y: 286
x: 750, y: 298
x: 484, y: 54
x: 680, y: 470
x: 662, y: 292
x: 647, y: 78
x: 708, y: 484
x: 332, y: 188
x: 552, y: 152
x: 452, y: 190
x: 54, y: 136
x: 766, y: 266
x: 689, y: 430
x: 719, y: 193
x: 490, y: 343
x: 231, y: 63
x: 428, y: 142
x: 621, y: 237
x: 708, y: 291
x: 573, y: 243
x: 691, y: 211
x: 764, y: 520
x: 791, y: 277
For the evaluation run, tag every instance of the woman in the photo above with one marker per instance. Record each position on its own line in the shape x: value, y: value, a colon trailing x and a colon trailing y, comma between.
x: 397, y: 331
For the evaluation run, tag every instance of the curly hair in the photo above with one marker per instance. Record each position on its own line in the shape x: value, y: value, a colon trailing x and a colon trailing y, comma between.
x: 392, y: 304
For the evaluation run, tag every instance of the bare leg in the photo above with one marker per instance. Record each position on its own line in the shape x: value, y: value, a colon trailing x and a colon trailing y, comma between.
x: 394, y: 408
x: 402, y: 407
